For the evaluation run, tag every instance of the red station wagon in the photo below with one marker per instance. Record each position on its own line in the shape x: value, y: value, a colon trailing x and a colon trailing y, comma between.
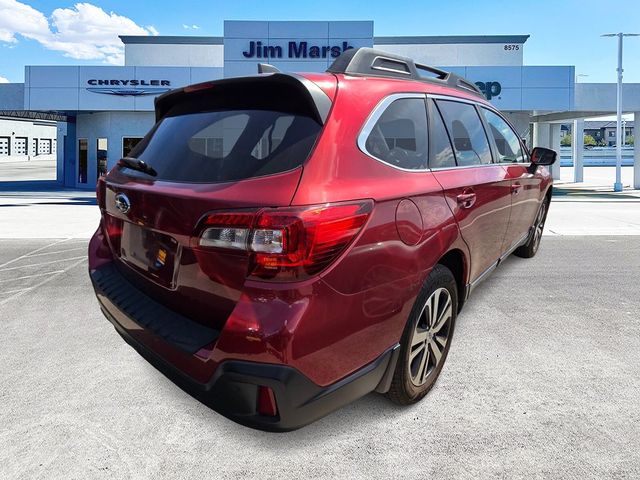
x: 282, y: 244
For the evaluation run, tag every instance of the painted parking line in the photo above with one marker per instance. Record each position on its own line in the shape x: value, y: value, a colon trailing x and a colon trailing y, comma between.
x: 43, y: 282
x: 56, y: 252
x: 8, y: 292
x: 43, y: 263
x: 34, y: 251
x: 35, y: 275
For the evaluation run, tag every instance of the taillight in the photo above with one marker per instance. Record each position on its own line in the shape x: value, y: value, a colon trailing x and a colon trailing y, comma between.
x: 100, y: 191
x: 113, y: 228
x: 287, y: 244
x: 227, y: 230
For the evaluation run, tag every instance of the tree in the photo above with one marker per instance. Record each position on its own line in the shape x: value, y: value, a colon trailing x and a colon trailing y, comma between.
x: 630, y: 140
x: 566, y: 140
x: 590, y: 141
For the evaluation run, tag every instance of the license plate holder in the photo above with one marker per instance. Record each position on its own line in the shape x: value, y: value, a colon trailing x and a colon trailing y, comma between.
x: 156, y: 254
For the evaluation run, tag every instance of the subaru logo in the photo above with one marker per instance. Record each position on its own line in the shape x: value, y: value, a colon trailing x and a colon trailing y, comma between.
x: 122, y: 202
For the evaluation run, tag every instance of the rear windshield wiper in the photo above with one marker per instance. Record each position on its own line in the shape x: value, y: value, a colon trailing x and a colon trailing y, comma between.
x: 137, y: 164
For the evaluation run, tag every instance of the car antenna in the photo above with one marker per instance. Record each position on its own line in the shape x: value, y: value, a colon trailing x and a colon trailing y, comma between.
x: 267, y: 68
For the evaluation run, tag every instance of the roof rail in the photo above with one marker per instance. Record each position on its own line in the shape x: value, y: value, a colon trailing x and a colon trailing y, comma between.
x: 376, y: 63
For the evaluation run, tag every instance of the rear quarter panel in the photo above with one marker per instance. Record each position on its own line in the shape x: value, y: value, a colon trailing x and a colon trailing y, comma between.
x: 379, y: 277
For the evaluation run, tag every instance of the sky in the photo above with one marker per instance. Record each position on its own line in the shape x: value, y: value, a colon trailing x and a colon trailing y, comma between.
x: 58, y: 32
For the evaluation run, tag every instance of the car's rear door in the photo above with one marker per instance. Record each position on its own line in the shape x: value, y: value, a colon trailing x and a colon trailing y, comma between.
x: 525, y: 185
x: 477, y: 190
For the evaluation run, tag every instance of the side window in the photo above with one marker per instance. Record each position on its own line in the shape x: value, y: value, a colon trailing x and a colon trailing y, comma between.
x: 467, y: 133
x: 507, y: 142
x: 399, y: 136
x: 441, y: 151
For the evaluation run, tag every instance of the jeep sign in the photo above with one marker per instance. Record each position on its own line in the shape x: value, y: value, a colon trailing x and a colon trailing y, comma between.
x: 489, y: 89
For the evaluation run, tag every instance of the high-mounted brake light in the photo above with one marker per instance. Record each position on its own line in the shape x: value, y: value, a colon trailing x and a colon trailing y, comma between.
x: 288, y: 244
x: 197, y: 87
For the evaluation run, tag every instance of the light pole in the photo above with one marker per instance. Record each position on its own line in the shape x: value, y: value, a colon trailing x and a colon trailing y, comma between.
x: 617, y: 187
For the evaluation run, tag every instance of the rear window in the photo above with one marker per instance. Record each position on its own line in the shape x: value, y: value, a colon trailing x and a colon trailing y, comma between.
x: 226, y: 145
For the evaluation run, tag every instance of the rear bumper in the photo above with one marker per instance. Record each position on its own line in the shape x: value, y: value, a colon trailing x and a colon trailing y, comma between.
x: 232, y: 390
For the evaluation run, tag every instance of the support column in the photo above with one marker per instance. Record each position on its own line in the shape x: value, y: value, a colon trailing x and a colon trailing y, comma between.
x: 554, y: 144
x: 61, y: 134
x: 577, y: 147
x: 636, y: 150
x: 540, y: 135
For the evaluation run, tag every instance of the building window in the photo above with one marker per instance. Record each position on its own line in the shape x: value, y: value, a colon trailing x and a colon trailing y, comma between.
x: 82, y: 160
x: 128, y: 143
x: 101, y: 156
x: 612, y: 133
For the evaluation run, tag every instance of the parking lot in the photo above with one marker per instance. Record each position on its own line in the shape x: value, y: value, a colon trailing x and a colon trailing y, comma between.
x: 543, y: 377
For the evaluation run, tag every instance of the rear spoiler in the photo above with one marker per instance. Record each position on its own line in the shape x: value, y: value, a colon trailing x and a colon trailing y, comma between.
x: 221, y: 92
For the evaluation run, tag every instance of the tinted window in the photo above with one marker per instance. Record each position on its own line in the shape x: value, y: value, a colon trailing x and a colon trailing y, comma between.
x: 226, y: 145
x: 399, y: 137
x: 441, y: 151
x: 507, y: 142
x: 467, y: 133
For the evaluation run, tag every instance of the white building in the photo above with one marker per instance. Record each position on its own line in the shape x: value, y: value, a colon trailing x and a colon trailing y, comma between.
x: 109, y: 108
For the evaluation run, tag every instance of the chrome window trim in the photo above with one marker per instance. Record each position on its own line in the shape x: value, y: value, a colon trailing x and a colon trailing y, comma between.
x: 479, y: 165
x: 375, y: 115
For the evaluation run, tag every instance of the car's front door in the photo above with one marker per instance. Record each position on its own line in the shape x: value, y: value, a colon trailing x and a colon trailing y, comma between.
x: 477, y: 190
x: 525, y: 185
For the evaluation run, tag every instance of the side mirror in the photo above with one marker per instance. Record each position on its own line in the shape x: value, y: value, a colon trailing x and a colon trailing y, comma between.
x: 543, y: 156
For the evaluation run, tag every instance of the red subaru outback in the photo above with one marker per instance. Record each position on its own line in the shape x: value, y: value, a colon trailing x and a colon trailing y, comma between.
x: 280, y: 245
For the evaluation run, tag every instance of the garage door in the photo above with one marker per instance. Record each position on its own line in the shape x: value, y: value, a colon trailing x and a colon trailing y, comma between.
x: 44, y: 146
x: 20, y: 146
x: 4, y: 146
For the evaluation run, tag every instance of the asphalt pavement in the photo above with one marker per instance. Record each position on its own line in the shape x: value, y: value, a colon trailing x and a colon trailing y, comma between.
x: 542, y: 380
x: 29, y: 170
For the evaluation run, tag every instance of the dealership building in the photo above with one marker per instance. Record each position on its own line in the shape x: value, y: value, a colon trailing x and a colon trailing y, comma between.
x: 101, y: 112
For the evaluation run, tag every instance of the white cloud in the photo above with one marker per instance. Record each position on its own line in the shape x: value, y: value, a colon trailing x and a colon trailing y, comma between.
x: 3, y: 80
x: 190, y: 27
x: 16, y: 17
x: 84, y: 32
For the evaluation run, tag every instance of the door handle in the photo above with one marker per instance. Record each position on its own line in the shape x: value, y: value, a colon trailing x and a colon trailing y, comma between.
x: 515, y: 188
x: 466, y: 199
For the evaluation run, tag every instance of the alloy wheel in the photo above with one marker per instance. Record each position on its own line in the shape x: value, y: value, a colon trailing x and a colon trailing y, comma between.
x: 539, y: 226
x: 430, y: 336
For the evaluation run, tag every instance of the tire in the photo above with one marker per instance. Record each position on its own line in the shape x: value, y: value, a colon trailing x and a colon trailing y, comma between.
x: 411, y: 382
x: 530, y: 248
